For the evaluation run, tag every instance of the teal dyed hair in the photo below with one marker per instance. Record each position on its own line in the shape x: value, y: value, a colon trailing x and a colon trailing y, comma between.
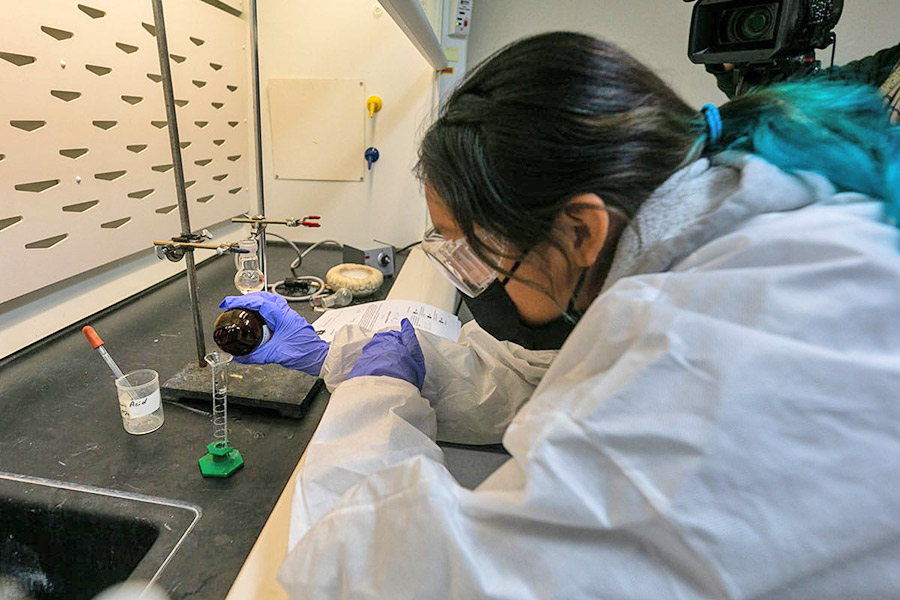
x: 839, y: 129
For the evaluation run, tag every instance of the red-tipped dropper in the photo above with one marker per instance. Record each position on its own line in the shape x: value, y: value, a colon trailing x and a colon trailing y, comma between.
x: 97, y: 344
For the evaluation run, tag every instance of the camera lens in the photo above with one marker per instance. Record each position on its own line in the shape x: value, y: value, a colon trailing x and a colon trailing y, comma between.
x: 750, y: 23
x: 755, y: 24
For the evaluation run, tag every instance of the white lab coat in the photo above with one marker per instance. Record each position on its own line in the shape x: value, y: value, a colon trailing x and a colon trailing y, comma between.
x: 724, y: 422
x: 476, y: 385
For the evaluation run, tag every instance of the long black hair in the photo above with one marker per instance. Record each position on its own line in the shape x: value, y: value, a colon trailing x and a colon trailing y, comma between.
x: 561, y: 114
x: 544, y: 120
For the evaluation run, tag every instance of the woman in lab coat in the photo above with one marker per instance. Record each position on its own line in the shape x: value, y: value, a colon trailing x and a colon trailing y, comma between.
x: 724, y: 420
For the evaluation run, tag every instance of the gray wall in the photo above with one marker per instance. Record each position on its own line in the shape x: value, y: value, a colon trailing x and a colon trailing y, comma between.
x: 656, y: 32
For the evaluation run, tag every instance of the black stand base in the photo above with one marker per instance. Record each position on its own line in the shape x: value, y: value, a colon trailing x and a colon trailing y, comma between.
x: 263, y: 386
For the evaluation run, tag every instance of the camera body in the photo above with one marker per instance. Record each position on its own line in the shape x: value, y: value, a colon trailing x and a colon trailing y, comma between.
x: 759, y: 31
x: 765, y: 40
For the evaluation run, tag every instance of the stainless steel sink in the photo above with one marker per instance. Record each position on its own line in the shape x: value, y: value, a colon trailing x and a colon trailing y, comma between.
x: 63, y: 540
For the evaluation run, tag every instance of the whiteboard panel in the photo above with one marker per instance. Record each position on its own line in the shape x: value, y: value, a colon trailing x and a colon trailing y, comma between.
x: 318, y: 128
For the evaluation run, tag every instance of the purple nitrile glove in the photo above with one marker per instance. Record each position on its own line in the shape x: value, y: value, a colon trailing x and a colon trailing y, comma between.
x: 294, y: 343
x: 393, y: 354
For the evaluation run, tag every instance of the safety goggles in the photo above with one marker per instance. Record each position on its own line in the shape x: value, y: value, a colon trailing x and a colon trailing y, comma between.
x: 459, y: 263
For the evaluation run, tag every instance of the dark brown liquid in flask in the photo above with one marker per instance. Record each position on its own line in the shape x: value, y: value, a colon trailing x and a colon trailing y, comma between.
x: 240, y: 331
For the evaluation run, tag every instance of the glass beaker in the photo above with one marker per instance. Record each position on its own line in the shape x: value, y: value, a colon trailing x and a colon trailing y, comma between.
x: 249, y: 277
x: 140, y: 402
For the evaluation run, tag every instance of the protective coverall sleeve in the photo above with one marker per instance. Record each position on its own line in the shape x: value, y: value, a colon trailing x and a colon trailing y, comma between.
x: 726, y: 429
x: 476, y: 385
x: 377, y: 515
x: 371, y: 423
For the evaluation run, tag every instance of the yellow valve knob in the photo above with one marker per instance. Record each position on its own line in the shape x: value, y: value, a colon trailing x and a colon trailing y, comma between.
x: 373, y: 104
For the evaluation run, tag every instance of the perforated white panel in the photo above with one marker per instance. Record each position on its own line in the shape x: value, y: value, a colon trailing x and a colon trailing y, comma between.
x: 85, y: 166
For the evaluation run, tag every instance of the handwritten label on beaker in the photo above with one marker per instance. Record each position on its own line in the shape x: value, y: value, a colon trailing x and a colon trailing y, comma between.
x: 139, y: 407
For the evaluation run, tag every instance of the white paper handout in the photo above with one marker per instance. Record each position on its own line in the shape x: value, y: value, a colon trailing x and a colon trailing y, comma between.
x: 388, y: 314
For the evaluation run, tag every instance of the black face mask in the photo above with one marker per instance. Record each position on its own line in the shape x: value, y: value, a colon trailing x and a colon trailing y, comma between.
x: 495, y: 312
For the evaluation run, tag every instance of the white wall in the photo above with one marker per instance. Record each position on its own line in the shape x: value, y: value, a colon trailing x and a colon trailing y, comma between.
x: 450, y: 80
x: 656, y: 32
x: 866, y: 26
x: 350, y: 39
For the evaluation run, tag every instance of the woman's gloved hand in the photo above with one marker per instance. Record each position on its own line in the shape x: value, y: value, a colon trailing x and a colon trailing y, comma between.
x: 294, y: 343
x: 393, y: 354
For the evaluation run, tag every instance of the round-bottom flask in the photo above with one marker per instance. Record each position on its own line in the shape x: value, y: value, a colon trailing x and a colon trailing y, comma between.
x: 249, y: 280
x: 240, y: 331
x: 249, y: 277
x: 342, y: 297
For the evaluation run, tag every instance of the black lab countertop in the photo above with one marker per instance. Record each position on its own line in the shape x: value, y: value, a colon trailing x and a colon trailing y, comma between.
x: 60, y: 421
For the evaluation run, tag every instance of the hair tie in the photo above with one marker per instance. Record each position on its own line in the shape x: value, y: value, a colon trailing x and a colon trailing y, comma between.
x: 713, y: 122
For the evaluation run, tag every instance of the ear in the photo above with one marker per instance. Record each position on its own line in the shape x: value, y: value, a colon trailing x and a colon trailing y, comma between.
x: 584, y: 224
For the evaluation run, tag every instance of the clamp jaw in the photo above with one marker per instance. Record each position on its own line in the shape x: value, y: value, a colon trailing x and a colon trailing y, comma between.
x: 258, y: 222
x: 175, y: 248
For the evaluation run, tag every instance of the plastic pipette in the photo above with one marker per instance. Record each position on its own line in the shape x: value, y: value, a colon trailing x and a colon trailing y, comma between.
x: 97, y: 344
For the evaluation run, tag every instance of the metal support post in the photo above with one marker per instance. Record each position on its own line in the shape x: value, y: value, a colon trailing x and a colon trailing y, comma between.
x: 260, y: 192
x: 162, y: 47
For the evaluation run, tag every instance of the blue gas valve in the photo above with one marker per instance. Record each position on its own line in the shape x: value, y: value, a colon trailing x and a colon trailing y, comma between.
x: 371, y: 156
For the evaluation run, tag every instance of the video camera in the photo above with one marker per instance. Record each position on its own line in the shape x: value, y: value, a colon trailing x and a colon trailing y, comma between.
x: 765, y: 41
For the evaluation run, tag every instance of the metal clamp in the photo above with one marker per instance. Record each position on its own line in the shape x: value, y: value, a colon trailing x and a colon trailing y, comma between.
x: 259, y: 222
x: 175, y: 249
